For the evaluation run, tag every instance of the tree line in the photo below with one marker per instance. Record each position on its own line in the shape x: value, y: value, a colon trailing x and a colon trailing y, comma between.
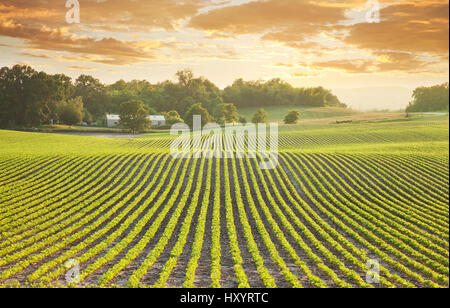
x: 277, y: 92
x: 429, y: 99
x: 29, y: 98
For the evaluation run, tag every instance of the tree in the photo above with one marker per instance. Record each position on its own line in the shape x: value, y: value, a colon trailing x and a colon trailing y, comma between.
x: 428, y: 99
x: 87, y: 117
x: 228, y: 113
x: 181, y: 95
x: 134, y: 116
x: 93, y: 93
x: 62, y: 89
x: 71, y: 112
x: 292, y: 117
x: 197, y: 109
x: 172, y: 117
x: 122, y: 91
x: 30, y: 98
x: 185, y: 77
x: 277, y: 92
x: 260, y: 117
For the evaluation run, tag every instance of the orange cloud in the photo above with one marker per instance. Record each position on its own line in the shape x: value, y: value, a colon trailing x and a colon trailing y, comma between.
x: 81, y: 68
x: 412, y: 35
x: 349, y: 66
x: 383, y: 62
x: 106, y: 50
x: 406, y: 27
x: 414, y: 27
x: 399, y: 61
x: 42, y: 26
x: 112, y: 14
x: 261, y: 16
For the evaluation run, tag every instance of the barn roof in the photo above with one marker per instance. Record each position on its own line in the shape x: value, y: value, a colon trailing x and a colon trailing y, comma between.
x: 152, y: 117
x: 112, y: 117
x: 157, y: 118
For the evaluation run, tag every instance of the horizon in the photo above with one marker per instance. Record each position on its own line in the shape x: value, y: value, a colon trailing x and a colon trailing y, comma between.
x: 347, y: 95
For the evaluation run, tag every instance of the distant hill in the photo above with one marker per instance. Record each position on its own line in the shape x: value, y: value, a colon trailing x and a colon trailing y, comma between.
x: 277, y: 113
x: 368, y: 98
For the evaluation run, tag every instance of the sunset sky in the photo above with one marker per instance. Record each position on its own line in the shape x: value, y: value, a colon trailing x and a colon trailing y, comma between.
x: 307, y: 43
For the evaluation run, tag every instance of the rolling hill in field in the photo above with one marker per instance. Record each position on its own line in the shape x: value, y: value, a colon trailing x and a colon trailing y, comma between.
x: 277, y: 113
x: 131, y: 214
x: 324, y: 115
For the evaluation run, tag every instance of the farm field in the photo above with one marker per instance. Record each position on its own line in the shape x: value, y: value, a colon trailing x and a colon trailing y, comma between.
x: 277, y: 113
x: 321, y: 114
x: 131, y: 215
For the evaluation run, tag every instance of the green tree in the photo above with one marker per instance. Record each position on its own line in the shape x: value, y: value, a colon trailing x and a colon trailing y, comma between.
x: 94, y: 95
x: 172, y: 117
x: 71, y: 112
x: 122, y: 91
x: 276, y: 92
x: 134, y: 116
x: 428, y: 99
x: 228, y: 113
x: 292, y: 117
x: 185, y: 77
x: 62, y: 89
x: 30, y: 98
x: 180, y: 96
x: 260, y: 117
x: 87, y: 117
x: 197, y: 109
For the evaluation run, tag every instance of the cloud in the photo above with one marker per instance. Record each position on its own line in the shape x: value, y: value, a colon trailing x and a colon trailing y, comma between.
x: 280, y: 64
x: 349, y: 66
x: 382, y: 62
x: 412, y: 35
x: 399, y: 61
x: 106, y: 50
x: 417, y: 26
x: 117, y: 14
x: 81, y: 68
x: 278, y: 16
x: 410, y: 27
x: 407, y: 29
x: 304, y: 75
x: 41, y: 26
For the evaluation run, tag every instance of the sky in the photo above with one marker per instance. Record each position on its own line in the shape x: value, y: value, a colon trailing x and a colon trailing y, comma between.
x: 370, y: 61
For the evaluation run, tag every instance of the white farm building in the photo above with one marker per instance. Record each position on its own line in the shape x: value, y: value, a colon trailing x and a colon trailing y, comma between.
x: 112, y: 120
x: 158, y: 120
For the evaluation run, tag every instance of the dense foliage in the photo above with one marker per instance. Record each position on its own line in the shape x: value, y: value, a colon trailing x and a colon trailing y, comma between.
x: 428, y: 99
x: 292, y: 117
x: 197, y: 109
x: 276, y: 92
x: 133, y: 116
x: 71, y: 112
x: 30, y: 98
x: 172, y: 117
x: 260, y: 116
